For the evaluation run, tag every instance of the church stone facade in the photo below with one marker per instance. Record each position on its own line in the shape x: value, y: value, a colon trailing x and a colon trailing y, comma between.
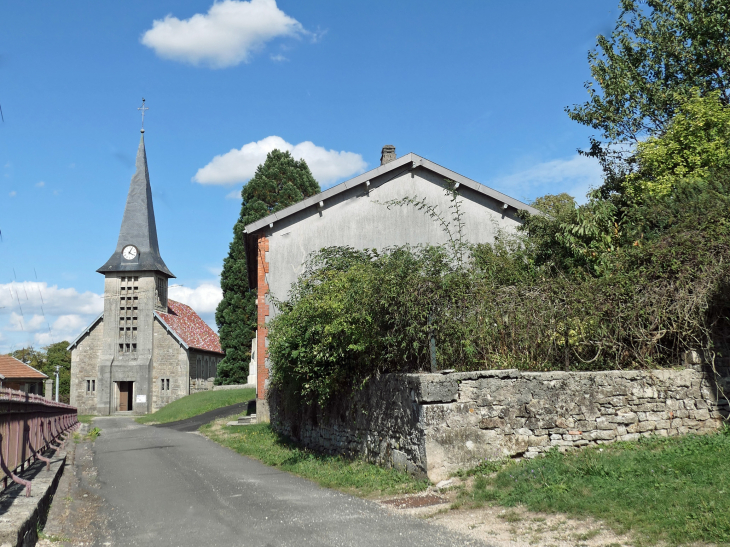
x: 145, y: 350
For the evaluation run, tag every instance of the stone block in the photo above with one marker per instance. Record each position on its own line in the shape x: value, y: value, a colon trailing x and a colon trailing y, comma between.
x: 702, y: 414
x: 599, y: 435
x: 436, y: 388
x: 491, y: 423
x: 626, y: 418
x: 538, y: 441
x: 647, y: 426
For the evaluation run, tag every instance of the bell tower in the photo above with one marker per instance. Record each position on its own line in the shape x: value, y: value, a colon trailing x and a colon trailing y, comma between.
x: 135, y: 286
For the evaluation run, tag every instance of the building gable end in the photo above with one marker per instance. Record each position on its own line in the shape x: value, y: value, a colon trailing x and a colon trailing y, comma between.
x: 86, y: 331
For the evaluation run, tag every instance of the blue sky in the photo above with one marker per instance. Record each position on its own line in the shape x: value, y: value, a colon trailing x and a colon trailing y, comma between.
x: 477, y: 86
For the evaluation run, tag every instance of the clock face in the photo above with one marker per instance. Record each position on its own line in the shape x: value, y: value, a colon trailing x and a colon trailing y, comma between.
x: 129, y: 252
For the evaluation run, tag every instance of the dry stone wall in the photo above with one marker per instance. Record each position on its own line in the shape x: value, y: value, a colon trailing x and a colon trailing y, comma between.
x: 435, y: 424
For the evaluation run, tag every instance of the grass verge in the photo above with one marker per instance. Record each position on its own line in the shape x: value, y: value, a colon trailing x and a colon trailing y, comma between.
x: 197, y: 403
x: 355, y: 476
x: 670, y: 490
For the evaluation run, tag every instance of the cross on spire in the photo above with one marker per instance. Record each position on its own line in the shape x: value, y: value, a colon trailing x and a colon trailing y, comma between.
x: 143, y: 108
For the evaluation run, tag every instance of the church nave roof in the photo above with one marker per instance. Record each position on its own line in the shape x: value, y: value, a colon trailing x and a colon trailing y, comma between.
x: 189, y: 327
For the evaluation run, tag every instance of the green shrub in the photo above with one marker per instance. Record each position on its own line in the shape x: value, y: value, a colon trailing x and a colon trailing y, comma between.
x: 550, y: 297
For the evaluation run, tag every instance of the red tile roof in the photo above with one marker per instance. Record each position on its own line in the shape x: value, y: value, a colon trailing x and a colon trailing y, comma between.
x: 190, y: 327
x: 13, y: 369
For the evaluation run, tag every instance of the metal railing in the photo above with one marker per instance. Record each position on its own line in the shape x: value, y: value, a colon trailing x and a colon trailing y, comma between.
x: 30, y: 425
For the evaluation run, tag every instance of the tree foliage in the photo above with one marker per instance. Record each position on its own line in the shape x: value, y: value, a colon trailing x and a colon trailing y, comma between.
x: 279, y: 182
x: 660, y: 53
x: 696, y: 141
x: 46, y: 360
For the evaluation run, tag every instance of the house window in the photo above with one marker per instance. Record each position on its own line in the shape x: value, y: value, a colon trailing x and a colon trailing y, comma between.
x: 164, y: 384
x: 134, y: 348
x: 168, y: 384
x: 90, y: 386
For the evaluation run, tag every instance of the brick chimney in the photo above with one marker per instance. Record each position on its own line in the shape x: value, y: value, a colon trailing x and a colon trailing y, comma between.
x: 388, y: 154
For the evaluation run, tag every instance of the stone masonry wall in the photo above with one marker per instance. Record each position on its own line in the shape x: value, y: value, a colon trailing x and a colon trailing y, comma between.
x: 85, y: 366
x: 439, y: 423
x: 381, y: 422
x: 170, y: 362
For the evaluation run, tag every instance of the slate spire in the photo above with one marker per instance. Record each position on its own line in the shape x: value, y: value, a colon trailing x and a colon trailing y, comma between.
x: 138, y: 227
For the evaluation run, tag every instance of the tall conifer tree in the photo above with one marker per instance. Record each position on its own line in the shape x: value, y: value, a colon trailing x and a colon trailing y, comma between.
x: 279, y: 182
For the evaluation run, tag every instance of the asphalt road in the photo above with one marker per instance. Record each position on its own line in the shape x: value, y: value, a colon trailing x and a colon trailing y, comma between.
x: 165, y: 487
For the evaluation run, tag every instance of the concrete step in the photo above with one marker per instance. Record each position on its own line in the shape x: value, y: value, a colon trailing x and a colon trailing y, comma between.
x: 244, y: 420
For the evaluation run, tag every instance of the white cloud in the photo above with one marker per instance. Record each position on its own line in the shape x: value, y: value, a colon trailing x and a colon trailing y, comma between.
x: 65, y: 327
x: 238, y: 166
x: 65, y: 309
x: 32, y: 324
x: 234, y: 195
x: 13, y: 194
x: 203, y: 299
x: 225, y: 36
x: 278, y: 58
x: 575, y: 175
x: 40, y: 184
x: 37, y: 297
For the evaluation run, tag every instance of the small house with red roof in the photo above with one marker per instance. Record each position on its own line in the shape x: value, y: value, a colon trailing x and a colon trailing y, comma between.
x: 16, y: 374
x: 144, y: 350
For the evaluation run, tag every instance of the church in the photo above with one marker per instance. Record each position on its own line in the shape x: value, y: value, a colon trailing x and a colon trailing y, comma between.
x: 144, y: 350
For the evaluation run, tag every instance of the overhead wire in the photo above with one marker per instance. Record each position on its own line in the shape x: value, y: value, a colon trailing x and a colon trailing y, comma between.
x: 42, y: 303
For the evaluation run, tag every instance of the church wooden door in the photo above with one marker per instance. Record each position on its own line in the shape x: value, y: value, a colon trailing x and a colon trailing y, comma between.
x: 125, y: 396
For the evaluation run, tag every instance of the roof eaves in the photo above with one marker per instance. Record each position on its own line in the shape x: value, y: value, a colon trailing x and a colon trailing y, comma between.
x: 330, y: 192
x: 172, y: 331
x: 417, y: 161
x: 478, y: 187
x: 85, y: 331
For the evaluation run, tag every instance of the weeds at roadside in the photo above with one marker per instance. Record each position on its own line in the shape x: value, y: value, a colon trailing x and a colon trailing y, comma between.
x: 353, y: 476
x: 51, y: 538
x: 93, y: 434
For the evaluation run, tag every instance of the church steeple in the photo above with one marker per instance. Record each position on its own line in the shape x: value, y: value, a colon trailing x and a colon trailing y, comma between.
x: 137, y: 248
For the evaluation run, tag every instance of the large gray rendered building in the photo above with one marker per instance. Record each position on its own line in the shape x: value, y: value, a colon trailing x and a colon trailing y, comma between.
x: 355, y: 213
x: 144, y: 350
